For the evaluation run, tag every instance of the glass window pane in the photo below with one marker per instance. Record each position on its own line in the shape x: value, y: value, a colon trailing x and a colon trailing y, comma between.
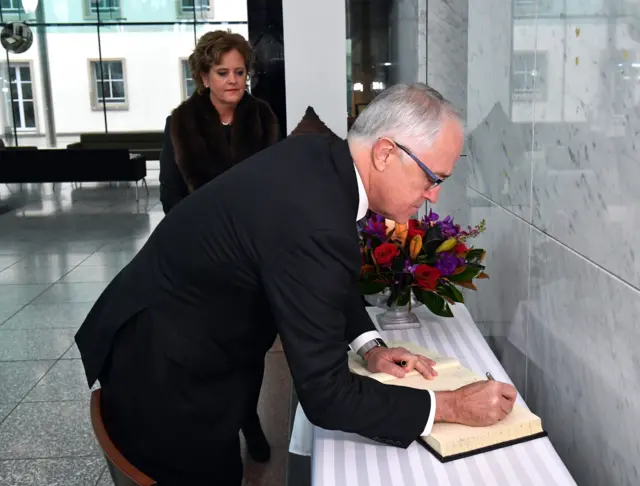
x: 25, y: 73
x: 14, y: 91
x: 17, y: 120
x: 97, y: 70
x: 115, y: 69
x: 117, y: 88
x: 27, y: 92
x: 13, y: 72
x: 29, y: 115
x: 190, y: 87
x: 100, y: 87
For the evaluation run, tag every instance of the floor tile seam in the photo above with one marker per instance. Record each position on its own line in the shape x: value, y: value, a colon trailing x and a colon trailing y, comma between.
x: 55, y: 362
x: 25, y: 305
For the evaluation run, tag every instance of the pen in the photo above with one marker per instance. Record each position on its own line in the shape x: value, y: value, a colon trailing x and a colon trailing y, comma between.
x: 489, y: 376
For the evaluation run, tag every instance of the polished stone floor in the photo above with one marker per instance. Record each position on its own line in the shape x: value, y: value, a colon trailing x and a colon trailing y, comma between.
x: 59, y: 247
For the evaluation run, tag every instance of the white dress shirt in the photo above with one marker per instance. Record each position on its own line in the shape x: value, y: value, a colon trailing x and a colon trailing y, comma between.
x: 357, y: 343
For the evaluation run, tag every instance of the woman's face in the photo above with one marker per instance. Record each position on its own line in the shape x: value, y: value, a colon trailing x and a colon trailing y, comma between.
x: 227, y: 80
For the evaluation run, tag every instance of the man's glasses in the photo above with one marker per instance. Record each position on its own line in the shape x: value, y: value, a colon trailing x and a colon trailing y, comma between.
x: 435, y: 180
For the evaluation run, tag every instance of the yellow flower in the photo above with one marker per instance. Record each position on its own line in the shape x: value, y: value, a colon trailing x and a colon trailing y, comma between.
x: 415, y: 247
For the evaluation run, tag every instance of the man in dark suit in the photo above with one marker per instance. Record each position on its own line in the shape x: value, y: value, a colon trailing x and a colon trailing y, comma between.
x: 270, y: 247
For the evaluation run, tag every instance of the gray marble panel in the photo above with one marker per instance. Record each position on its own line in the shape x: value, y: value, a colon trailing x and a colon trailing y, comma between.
x: 51, y: 472
x: 584, y: 368
x: 490, y: 33
x: 18, y: 377
x: 48, y: 430
x: 447, y: 44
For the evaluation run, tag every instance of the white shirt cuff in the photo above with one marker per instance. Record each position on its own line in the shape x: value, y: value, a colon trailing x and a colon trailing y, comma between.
x: 363, y: 339
x: 432, y: 415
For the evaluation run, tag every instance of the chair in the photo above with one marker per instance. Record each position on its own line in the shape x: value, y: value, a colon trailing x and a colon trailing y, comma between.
x: 122, y: 471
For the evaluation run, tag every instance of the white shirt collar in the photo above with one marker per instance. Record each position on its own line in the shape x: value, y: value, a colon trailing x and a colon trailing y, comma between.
x: 363, y: 200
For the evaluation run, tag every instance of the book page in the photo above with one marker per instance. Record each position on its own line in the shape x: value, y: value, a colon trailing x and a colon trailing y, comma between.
x: 358, y: 365
x: 449, y: 439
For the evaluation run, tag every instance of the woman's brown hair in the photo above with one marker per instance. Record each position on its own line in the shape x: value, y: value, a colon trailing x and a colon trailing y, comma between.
x: 210, y: 49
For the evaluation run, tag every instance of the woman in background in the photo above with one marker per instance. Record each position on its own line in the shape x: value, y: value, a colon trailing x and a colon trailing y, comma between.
x: 220, y: 125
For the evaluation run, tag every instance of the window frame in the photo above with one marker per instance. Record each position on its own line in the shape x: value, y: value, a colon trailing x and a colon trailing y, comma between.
x: 96, y: 104
x: 540, y: 93
x: 110, y: 14
x: 183, y: 61
x: 9, y: 101
x: 202, y: 13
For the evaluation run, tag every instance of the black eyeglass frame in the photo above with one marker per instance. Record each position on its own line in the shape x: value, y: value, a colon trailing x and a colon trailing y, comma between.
x: 435, y: 180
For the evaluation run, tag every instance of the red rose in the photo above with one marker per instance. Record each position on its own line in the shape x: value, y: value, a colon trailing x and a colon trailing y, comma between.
x: 415, y: 232
x: 426, y: 277
x: 461, y: 248
x: 385, y: 254
x: 414, y: 224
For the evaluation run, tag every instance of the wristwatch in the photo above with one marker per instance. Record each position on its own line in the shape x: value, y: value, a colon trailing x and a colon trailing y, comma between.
x: 369, y: 345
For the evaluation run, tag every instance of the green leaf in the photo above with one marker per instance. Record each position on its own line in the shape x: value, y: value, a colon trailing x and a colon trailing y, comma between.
x: 450, y: 291
x: 467, y: 275
x: 370, y: 288
x: 475, y: 255
x: 432, y: 240
x: 434, y: 302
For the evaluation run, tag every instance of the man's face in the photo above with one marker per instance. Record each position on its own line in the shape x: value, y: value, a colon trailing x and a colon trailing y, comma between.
x: 399, y: 186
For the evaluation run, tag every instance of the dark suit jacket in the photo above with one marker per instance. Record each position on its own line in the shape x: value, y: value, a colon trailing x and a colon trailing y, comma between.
x: 268, y: 247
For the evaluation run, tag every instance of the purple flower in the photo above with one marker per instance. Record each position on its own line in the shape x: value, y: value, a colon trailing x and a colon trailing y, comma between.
x: 431, y: 217
x: 375, y: 226
x: 448, y: 263
x: 408, y: 268
x: 449, y: 230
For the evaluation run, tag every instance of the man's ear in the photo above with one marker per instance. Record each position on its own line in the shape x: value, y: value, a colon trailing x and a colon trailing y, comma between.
x: 382, y: 151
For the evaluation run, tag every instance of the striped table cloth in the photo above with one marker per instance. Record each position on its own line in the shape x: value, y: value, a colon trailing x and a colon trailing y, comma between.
x: 341, y: 459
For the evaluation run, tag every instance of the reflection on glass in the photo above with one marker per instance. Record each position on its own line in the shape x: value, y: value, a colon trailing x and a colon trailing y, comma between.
x: 112, y: 65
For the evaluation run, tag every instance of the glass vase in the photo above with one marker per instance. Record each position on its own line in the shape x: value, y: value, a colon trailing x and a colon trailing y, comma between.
x: 395, y: 317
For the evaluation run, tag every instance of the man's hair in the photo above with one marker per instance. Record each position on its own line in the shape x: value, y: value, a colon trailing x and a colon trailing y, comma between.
x: 210, y: 49
x: 413, y: 113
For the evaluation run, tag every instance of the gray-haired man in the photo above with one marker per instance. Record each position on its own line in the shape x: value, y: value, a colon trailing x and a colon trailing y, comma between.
x: 269, y: 248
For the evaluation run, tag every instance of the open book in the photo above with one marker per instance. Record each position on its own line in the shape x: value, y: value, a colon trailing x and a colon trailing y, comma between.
x: 454, y: 441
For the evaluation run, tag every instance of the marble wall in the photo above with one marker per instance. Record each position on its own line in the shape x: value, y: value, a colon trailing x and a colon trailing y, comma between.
x: 553, y: 165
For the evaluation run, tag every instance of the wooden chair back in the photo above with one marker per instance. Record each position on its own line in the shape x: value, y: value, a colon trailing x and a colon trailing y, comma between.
x: 122, y: 471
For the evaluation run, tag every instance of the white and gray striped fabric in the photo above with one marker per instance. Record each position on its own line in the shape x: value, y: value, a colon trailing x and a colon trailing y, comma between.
x: 340, y: 459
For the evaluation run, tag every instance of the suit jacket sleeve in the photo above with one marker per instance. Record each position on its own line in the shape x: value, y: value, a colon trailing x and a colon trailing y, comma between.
x: 358, y: 320
x: 309, y: 286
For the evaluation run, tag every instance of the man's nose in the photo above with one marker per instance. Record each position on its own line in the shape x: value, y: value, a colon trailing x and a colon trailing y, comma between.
x: 431, y: 194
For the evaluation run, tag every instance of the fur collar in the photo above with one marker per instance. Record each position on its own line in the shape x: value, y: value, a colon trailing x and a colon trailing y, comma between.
x: 200, y: 141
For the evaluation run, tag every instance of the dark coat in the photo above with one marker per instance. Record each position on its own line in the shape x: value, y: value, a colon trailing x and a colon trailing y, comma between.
x: 197, y: 147
x: 268, y: 247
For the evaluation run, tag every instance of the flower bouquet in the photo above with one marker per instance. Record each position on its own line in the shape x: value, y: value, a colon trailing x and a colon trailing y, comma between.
x: 424, y: 261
